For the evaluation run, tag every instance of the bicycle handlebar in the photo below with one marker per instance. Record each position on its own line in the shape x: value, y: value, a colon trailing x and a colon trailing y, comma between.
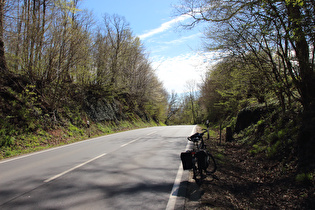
x: 197, y: 136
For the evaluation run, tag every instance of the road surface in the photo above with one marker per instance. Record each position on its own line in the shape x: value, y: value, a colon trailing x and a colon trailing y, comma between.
x: 130, y: 170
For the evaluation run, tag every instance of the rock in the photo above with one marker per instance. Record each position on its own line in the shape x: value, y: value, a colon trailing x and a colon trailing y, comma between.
x: 249, y: 116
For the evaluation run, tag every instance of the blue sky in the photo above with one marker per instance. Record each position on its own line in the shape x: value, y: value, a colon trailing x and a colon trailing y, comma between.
x: 176, y: 55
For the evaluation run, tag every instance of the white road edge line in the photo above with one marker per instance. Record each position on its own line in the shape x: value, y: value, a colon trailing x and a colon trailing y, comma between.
x: 173, y: 196
x: 71, y: 169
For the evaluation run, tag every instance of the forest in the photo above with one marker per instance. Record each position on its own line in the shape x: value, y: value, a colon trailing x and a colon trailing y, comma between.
x: 63, y: 76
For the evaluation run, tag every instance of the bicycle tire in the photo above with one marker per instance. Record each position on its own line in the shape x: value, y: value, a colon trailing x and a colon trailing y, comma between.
x: 200, y: 172
x: 197, y: 172
x: 212, y: 165
x: 194, y: 172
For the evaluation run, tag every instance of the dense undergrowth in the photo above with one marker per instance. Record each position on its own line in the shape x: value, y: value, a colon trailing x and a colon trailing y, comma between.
x: 273, y: 137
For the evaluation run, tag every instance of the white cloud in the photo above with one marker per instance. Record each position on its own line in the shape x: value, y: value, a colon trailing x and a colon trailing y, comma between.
x: 165, y: 26
x: 183, y: 39
x: 165, y: 47
x: 175, y: 72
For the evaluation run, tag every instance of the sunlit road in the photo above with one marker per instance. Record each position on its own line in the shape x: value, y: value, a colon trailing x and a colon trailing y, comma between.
x: 129, y: 170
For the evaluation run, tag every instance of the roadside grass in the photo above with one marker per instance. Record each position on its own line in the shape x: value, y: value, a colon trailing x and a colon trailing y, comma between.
x: 40, y: 139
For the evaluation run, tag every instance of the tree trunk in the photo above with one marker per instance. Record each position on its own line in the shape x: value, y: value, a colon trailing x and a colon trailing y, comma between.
x: 307, y: 87
x: 3, y: 64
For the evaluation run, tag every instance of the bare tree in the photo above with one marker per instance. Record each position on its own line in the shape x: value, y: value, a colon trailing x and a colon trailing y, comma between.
x: 191, y: 87
x: 118, y: 32
x: 172, y: 106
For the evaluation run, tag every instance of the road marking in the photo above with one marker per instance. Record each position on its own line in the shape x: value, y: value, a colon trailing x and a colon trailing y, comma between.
x: 151, y: 133
x: 129, y: 142
x: 173, y: 196
x: 71, y: 169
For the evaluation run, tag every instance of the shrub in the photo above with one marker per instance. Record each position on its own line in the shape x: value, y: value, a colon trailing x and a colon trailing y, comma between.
x: 304, y: 178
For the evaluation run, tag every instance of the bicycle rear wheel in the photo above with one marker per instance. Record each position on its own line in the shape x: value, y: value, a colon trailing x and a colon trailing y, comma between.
x: 197, y: 172
x: 194, y: 172
x: 212, y: 165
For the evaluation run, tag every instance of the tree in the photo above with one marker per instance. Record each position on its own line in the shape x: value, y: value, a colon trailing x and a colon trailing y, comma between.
x: 265, y: 28
x: 232, y: 85
x: 118, y: 33
x: 172, y: 106
x: 3, y: 65
x: 192, y: 98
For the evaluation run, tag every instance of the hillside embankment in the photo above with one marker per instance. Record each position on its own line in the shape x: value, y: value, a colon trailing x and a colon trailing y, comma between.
x: 246, y: 179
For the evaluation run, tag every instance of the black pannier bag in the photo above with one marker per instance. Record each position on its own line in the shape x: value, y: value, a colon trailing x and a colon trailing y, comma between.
x: 186, y: 158
x: 202, y: 159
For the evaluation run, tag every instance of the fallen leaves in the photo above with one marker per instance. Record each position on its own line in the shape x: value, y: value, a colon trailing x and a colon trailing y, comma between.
x: 244, y: 181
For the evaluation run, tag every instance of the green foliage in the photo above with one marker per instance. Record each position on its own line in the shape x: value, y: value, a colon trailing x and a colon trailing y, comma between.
x: 257, y: 148
x: 274, y: 148
x: 106, y: 129
x: 67, y: 6
x: 304, y: 178
x: 7, y: 133
x: 25, y: 108
x: 295, y: 2
x: 231, y: 86
x: 275, y: 135
x: 74, y: 129
x: 7, y: 141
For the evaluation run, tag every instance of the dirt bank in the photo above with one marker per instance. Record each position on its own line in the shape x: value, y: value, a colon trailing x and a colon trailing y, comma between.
x: 245, y: 181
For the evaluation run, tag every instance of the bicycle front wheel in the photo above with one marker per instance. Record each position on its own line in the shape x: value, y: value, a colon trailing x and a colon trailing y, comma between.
x: 212, y: 166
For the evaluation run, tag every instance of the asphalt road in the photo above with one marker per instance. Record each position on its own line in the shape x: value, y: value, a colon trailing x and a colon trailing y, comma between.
x: 129, y: 170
